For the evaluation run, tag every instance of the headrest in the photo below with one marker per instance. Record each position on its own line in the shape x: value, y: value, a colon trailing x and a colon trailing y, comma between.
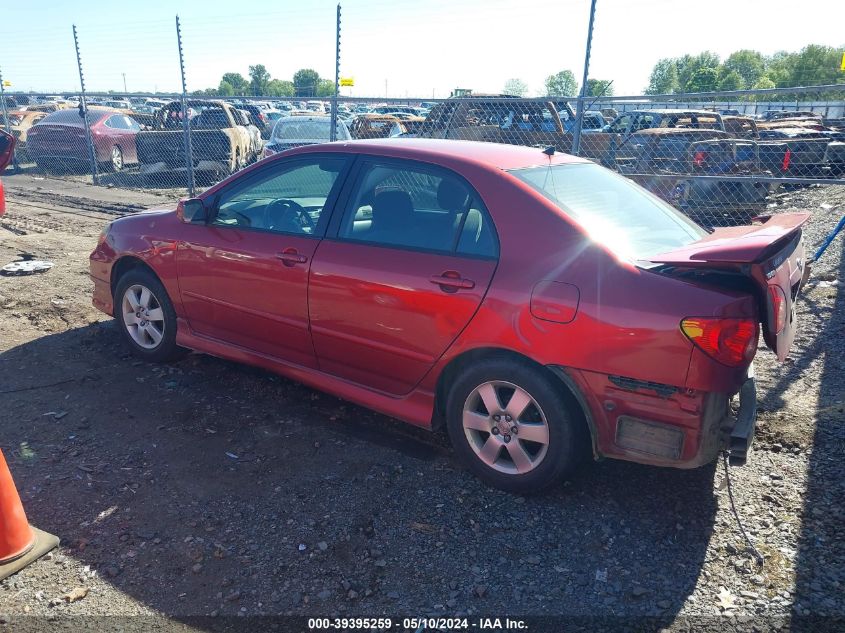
x: 451, y: 195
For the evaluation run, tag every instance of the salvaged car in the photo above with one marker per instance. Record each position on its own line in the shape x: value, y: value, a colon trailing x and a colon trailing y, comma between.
x: 59, y: 139
x: 303, y: 129
x: 539, y: 307
x: 366, y: 126
x: 669, y: 161
x: 19, y: 123
x: 219, y: 143
x: 407, y: 127
x: 508, y: 119
x: 807, y: 156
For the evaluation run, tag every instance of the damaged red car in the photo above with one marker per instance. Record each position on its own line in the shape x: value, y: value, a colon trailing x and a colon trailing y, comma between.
x: 538, y: 306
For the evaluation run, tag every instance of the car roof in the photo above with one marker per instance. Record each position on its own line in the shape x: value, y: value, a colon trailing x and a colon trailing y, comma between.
x: 495, y: 155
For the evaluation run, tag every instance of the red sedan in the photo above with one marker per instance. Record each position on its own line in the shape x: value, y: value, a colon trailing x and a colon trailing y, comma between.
x: 60, y: 138
x: 539, y: 306
x: 7, y: 151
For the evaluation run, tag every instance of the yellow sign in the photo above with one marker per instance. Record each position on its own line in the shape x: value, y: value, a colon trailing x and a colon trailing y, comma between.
x: 842, y: 66
x: 8, y: 84
x: 347, y: 81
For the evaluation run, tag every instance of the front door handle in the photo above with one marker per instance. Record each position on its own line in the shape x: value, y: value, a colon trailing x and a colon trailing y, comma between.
x: 453, y: 281
x: 290, y: 257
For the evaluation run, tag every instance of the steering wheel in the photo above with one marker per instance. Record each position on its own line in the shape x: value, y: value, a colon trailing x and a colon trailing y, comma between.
x: 287, y: 215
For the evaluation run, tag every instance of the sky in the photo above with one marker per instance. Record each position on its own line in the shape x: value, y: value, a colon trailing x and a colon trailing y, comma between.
x: 395, y: 48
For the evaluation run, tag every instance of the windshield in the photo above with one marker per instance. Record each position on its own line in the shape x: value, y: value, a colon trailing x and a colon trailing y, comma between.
x: 614, y: 211
x: 302, y: 128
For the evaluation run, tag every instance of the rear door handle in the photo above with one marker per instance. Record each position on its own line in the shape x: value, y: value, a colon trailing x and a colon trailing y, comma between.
x: 452, y: 281
x: 290, y: 257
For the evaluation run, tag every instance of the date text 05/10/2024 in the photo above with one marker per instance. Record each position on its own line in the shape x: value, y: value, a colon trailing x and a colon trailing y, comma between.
x: 416, y: 624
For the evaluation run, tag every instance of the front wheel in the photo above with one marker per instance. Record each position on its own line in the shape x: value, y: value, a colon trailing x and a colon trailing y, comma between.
x: 512, y: 426
x: 146, y: 316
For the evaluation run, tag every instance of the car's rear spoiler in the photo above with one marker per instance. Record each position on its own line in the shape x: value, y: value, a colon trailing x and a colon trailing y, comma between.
x: 737, y: 244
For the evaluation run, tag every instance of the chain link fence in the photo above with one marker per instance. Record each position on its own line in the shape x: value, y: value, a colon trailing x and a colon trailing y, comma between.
x: 718, y: 157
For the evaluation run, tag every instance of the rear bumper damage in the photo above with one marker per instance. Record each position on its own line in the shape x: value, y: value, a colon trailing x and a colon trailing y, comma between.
x: 742, y: 434
x: 642, y: 422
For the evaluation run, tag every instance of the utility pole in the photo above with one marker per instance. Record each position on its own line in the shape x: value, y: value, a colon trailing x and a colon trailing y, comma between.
x: 124, y: 83
x: 579, y: 115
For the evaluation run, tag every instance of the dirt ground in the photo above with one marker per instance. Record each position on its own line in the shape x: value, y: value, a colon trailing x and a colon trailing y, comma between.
x: 207, y: 488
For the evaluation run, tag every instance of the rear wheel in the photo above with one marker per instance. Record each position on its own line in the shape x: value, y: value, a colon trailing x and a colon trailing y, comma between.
x: 512, y: 426
x: 146, y: 316
x: 116, y: 159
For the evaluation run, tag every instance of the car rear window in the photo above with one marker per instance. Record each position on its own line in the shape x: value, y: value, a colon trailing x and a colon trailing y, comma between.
x: 71, y: 116
x: 613, y: 210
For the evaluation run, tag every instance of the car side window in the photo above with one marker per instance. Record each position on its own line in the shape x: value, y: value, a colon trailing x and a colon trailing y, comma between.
x: 289, y: 199
x: 405, y: 205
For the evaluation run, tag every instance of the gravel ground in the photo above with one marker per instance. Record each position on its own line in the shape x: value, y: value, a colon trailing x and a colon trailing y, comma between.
x: 207, y: 488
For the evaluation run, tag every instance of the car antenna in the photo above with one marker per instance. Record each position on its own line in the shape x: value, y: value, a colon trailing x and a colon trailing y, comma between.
x: 549, y: 151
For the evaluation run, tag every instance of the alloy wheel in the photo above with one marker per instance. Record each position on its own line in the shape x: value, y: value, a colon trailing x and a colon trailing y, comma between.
x: 116, y: 158
x: 505, y: 427
x: 143, y: 316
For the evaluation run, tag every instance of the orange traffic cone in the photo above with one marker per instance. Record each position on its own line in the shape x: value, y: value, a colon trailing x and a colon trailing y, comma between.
x: 20, y: 543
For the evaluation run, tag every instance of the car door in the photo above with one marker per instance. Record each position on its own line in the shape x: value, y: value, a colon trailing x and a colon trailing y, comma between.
x: 243, y: 274
x: 406, y: 267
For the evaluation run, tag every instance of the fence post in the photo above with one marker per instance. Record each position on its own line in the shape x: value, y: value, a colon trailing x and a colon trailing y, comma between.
x: 579, y: 115
x: 3, y: 100
x: 333, y: 131
x: 83, y: 111
x: 15, y: 165
x: 186, y: 127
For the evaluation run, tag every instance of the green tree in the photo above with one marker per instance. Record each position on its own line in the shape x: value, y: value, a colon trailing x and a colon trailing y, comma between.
x: 515, y: 87
x: 817, y: 65
x: 779, y: 68
x: 730, y: 80
x: 562, y: 84
x: 305, y: 82
x: 237, y: 81
x: 225, y: 89
x: 259, y: 78
x: 764, y: 83
x: 749, y: 65
x: 325, y: 88
x: 664, y: 78
x: 280, y: 88
x: 704, y: 80
x: 599, y: 88
x: 689, y: 65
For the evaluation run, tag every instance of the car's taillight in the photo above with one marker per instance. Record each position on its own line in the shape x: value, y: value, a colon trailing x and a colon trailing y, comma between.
x: 778, y: 300
x: 699, y: 158
x: 732, y: 342
x: 787, y: 158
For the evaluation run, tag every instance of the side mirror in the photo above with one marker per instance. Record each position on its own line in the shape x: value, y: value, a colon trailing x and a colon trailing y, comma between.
x: 192, y: 211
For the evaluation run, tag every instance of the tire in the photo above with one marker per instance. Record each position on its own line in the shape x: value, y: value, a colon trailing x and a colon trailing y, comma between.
x: 548, y: 415
x: 116, y: 162
x: 152, y: 338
